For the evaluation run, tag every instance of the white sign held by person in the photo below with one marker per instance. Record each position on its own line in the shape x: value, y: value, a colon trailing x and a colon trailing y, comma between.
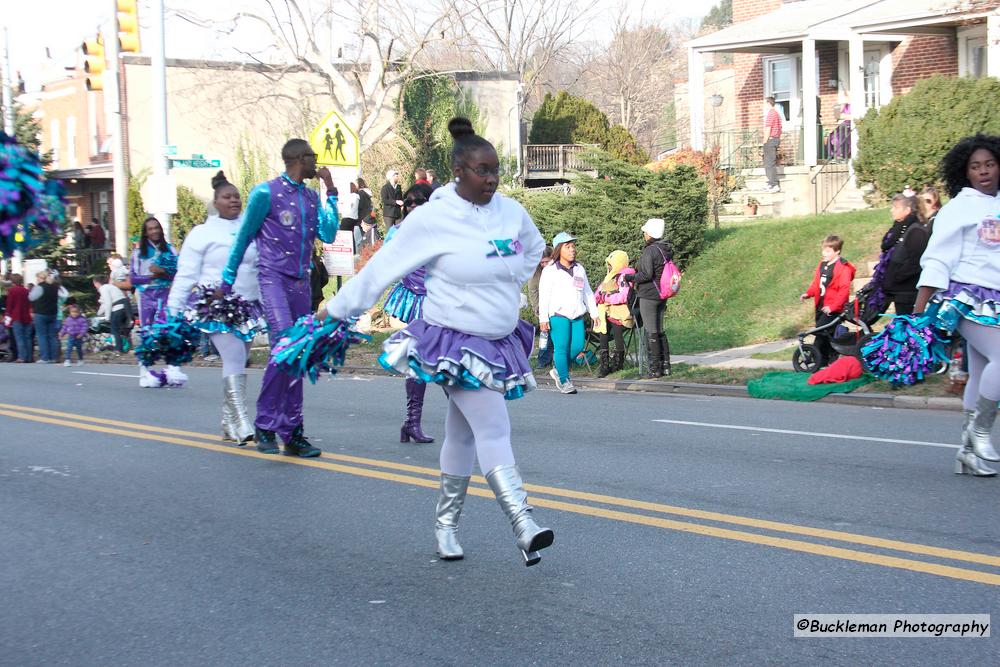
x: 338, y: 257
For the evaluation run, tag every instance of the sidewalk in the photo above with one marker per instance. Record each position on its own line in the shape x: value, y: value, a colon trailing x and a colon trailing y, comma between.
x: 738, y: 357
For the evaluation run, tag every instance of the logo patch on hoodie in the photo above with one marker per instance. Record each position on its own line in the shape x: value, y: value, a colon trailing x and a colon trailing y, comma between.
x: 504, y: 247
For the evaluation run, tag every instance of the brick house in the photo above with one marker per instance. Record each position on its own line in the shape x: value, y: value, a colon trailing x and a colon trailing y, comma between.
x: 826, y: 61
x: 72, y: 122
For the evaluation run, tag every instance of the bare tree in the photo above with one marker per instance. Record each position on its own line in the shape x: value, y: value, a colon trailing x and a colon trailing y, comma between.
x: 523, y: 36
x: 360, y: 50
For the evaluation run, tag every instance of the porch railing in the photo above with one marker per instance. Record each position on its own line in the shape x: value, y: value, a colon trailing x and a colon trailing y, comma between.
x: 741, y: 149
x: 82, y: 261
x: 829, y: 182
x: 555, y: 160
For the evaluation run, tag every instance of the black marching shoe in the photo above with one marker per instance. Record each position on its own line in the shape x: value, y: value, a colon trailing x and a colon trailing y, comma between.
x: 267, y: 442
x: 297, y: 445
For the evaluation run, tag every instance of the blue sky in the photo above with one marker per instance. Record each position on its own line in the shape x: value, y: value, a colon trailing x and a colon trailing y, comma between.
x: 61, y: 25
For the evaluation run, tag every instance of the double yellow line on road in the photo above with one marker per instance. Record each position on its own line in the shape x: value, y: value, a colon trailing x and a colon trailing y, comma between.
x: 593, y: 504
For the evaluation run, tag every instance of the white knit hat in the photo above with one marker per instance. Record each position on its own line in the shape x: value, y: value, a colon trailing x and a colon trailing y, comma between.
x: 654, y: 227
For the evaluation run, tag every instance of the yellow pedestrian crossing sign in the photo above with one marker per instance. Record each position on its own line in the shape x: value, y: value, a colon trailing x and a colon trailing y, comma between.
x: 335, y: 143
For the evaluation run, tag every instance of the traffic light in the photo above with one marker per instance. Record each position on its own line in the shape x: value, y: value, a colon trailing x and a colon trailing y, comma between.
x: 128, y: 26
x: 94, y: 64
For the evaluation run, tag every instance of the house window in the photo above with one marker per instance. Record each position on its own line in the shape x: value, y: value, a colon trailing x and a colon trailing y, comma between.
x: 778, y: 83
x: 54, y: 140
x: 71, y: 141
x: 873, y: 81
x: 975, y: 49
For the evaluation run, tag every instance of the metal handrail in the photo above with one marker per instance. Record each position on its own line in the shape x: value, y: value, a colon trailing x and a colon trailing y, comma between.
x: 843, y: 180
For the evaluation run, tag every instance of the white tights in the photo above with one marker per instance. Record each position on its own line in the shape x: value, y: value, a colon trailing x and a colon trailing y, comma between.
x: 233, y: 351
x: 477, y: 425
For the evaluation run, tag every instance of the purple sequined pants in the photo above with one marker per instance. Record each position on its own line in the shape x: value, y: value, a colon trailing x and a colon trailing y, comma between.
x: 153, y: 305
x: 279, y: 406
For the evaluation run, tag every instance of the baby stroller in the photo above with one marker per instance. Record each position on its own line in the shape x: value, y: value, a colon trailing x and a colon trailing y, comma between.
x: 862, y: 312
x: 99, y: 338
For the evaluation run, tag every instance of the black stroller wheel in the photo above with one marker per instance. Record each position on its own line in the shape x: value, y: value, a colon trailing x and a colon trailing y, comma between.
x: 807, y: 358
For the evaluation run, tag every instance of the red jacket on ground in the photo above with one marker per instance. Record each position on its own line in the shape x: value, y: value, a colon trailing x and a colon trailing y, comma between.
x: 18, y: 308
x: 838, y: 291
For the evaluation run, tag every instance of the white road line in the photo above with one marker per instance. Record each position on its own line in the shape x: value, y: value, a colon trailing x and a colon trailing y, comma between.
x: 837, y: 436
x: 110, y: 375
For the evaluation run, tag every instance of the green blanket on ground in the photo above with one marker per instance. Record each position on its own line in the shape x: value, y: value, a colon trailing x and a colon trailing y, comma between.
x: 792, y: 386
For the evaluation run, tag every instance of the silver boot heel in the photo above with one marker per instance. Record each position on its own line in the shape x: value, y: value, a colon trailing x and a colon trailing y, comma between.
x: 505, y: 481
x: 966, y: 461
x: 449, y: 508
x: 980, y: 427
x: 240, y: 427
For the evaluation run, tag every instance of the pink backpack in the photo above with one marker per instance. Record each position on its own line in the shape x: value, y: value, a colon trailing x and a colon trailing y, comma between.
x: 670, y: 279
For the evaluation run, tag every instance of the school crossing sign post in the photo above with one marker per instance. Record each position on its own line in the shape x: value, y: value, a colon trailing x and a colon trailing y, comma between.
x: 335, y: 143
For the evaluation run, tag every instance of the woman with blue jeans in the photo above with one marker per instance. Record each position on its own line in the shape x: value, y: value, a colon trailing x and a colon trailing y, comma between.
x: 564, y: 297
x: 44, y: 299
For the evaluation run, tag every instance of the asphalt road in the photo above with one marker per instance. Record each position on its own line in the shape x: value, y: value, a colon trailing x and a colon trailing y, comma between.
x: 678, y: 541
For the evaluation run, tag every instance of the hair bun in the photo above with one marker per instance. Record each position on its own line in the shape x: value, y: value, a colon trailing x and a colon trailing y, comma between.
x: 219, y: 180
x: 460, y: 127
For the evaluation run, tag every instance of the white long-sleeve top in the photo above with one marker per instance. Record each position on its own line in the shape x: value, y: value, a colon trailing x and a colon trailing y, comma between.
x: 109, y: 296
x: 477, y: 259
x: 965, y: 244
x: 204, y: 255
x: 565, y: 292
x: 347, y: 205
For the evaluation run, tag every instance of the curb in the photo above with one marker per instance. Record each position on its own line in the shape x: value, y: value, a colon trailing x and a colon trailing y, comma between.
x: 863, y: 399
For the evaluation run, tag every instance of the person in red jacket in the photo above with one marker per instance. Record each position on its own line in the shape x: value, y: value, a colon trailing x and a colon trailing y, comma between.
x: 830, y: 289
x: 19, y: 312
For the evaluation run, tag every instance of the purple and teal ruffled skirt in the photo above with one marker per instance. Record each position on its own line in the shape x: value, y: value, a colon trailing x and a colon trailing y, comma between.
x: 429, y: 353
x: 404, y: 304
x: 963, y: 301
x: 246, y: 331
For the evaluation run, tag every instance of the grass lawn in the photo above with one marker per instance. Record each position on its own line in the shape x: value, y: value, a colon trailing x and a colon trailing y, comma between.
x: 744, y: 288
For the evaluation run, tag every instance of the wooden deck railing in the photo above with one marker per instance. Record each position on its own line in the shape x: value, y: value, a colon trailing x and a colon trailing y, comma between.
x: 555, y: 160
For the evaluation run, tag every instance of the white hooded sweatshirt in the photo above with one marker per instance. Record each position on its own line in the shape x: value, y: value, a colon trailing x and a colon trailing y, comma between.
x: 477, y: 259
x: 965, y: 244
x: 204, y: 255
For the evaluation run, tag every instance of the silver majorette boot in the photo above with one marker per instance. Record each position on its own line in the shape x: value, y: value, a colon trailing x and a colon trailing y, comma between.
x: 966, y: 460
x: 240, y: 427
x: 449, y: 508
x: 981, y: 426
x: 228, y: 429
x: 505, y: 481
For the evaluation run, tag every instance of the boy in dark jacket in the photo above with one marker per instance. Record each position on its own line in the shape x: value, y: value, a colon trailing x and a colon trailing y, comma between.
x: 655, y: 255
x: 830, y: 289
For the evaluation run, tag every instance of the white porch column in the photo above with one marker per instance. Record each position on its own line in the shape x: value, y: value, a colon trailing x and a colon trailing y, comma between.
x: 993, y: 45
x: 810, y: 89
x: 696, y: 98
x: 856, y: 70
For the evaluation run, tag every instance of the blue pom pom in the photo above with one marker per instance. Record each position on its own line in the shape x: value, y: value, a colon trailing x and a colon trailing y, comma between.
x: 907, y: 350
x: 310, y: 347
x: 174, y: 341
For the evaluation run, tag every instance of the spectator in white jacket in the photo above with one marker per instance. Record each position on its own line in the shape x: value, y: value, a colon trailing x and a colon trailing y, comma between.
x: 564, y: 297
x: 114, y: 306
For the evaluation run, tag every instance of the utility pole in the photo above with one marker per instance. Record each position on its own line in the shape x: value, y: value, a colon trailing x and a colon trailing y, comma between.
x: 8, y: 94
x: 113, y: 106
x: 158, y: 60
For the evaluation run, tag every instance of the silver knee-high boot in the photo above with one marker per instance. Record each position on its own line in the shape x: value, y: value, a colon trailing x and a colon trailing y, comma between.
x: 505, y: 481
x: 228, y: 432
x: 980, y: 428
x: 449, y: 508
x: 240, y: 426
x: 966, y: 461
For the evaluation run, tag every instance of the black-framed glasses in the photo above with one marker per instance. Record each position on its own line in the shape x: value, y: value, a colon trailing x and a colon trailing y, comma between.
x: 483, y: 172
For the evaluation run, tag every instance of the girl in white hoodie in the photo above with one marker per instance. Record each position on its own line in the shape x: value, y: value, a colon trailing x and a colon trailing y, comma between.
x: 479, y: 248
x: 203, y: 256
x: 961, y: 276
